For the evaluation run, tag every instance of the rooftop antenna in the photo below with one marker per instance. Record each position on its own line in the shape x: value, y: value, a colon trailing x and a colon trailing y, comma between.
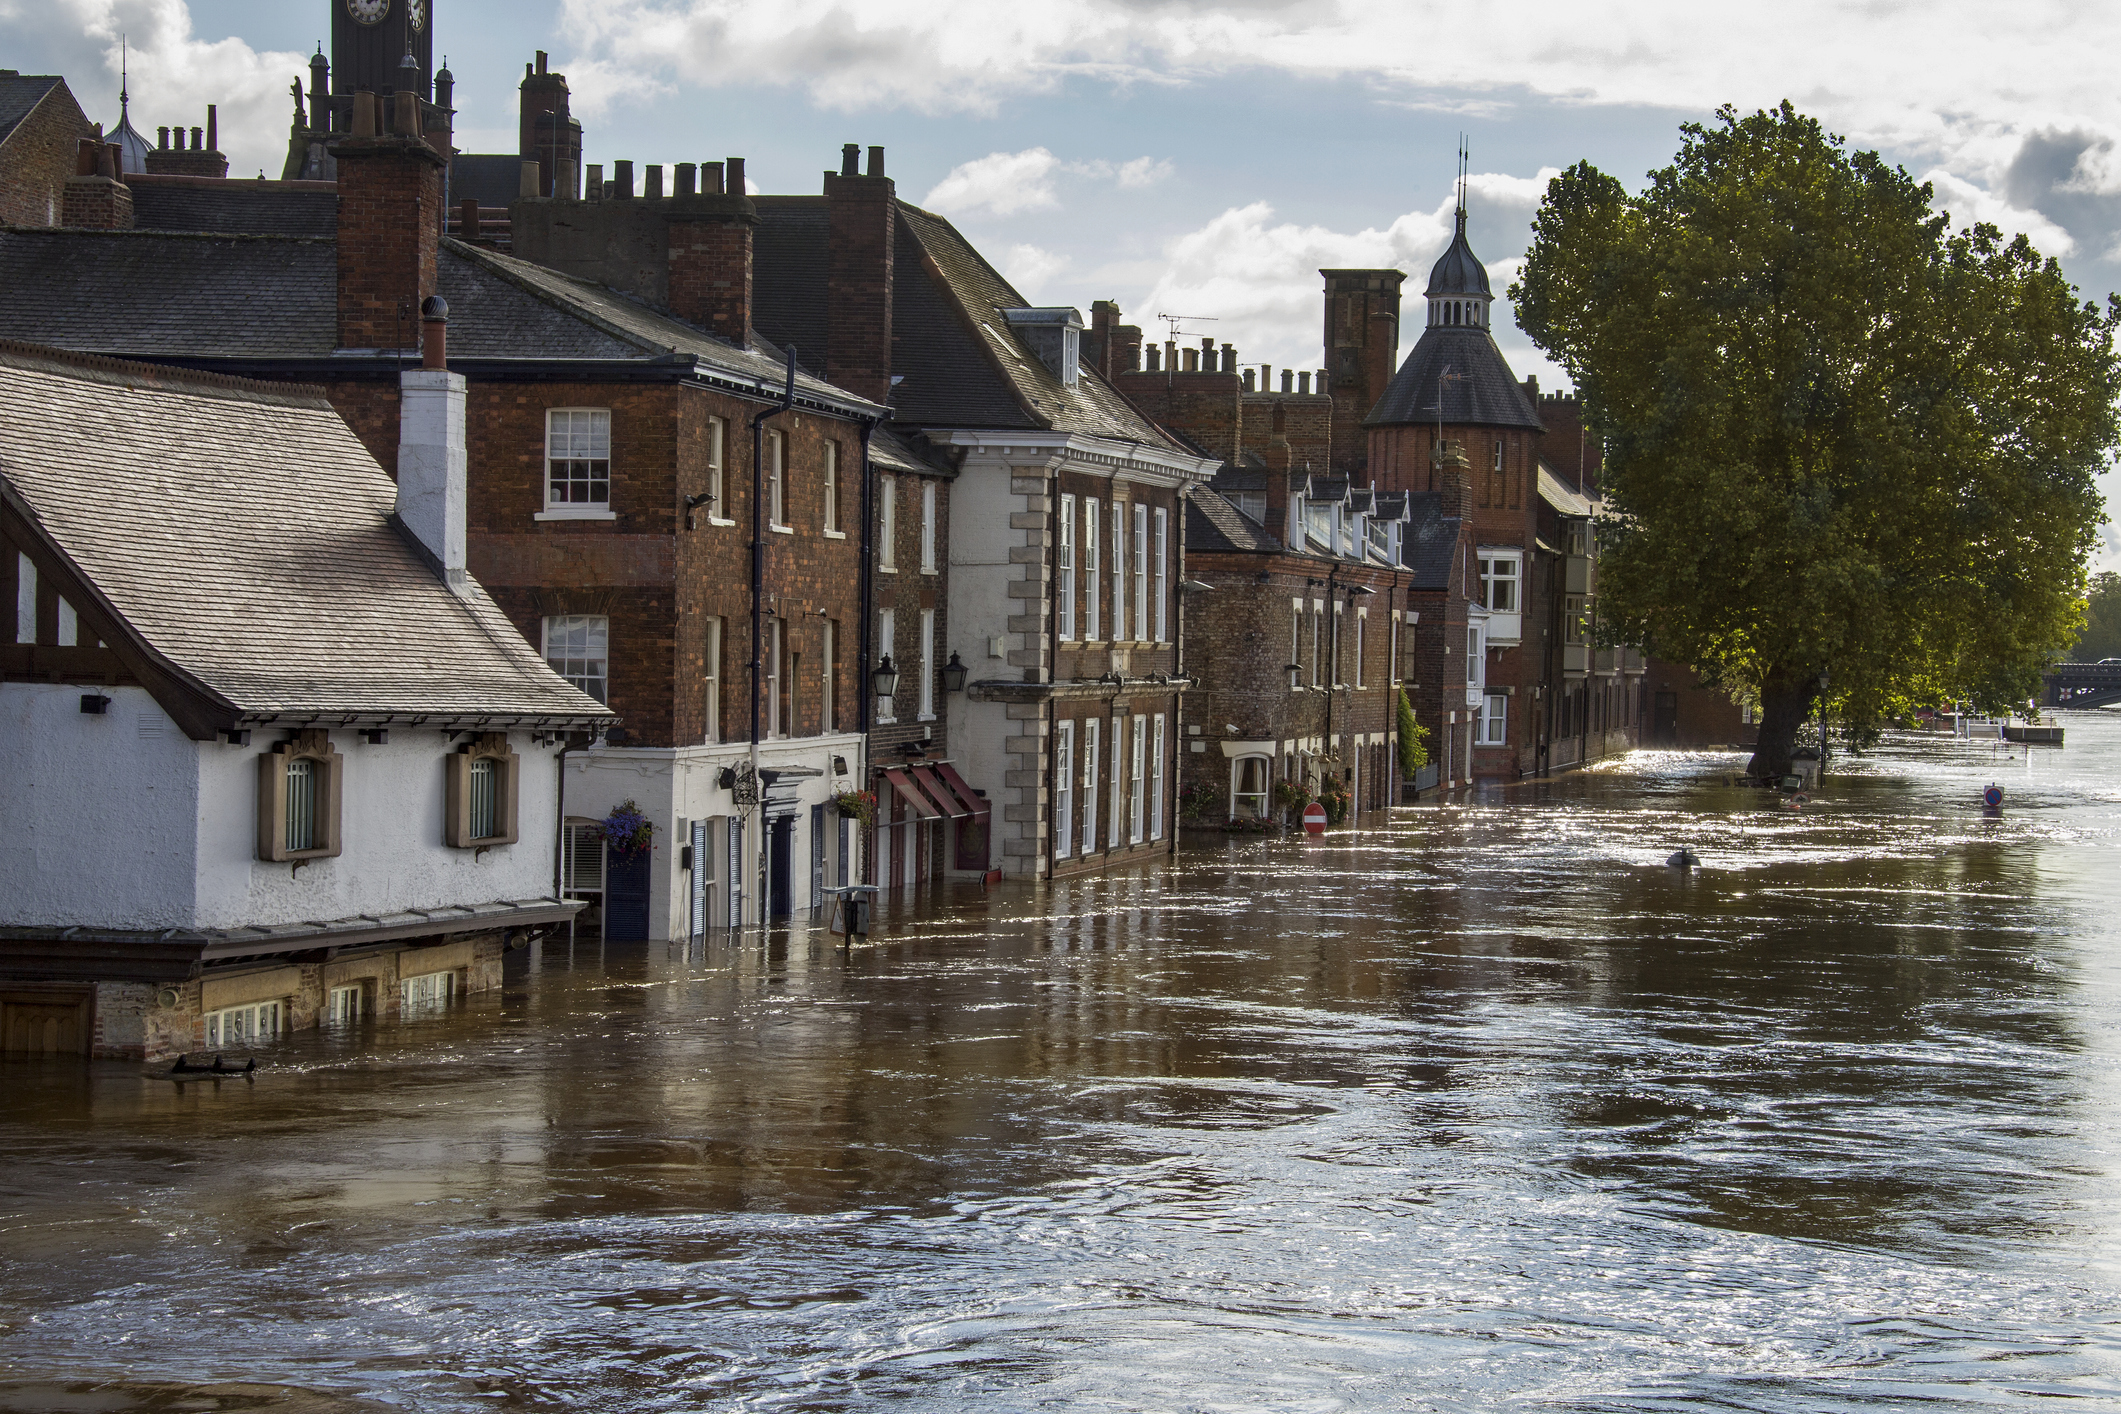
x: 1172, y: 322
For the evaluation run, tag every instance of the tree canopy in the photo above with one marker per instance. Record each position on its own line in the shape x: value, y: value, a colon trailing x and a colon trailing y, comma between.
x: 2102, y: 620
x: 1844, y: 441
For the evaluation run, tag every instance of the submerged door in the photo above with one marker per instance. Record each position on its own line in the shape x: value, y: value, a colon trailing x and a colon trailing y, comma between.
x: 1664, y: 727
x: 626, y: 884
x: 780, y: 867
x: 44, y: 1024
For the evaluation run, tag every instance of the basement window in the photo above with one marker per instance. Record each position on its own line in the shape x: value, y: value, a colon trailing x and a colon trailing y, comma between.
x: 250, y: 1025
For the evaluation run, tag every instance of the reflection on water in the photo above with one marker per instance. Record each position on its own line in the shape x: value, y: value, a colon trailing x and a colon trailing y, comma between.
x: 1480, y: 1106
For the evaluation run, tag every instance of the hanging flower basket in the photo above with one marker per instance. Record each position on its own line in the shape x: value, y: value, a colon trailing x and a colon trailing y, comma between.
x: 857, y: 805
x: 628, y: 832
x: 1288, y: 795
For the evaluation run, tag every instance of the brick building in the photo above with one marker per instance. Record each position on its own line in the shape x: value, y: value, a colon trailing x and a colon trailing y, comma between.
x: 610, y: 497
x: 1547, y: 696
x: 41, y: 132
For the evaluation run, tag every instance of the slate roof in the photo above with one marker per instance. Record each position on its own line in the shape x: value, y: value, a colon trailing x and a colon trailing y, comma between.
x: 156, y: 294
x: 961, y: 364
x: 1430, y: 540
x: 240, y: 530
x: 1215, y: 526
x: 19, y: 96
x: 1558, y: 494
x: 1482, y: 391
x: 233, y: 208
x: 1458, y: 271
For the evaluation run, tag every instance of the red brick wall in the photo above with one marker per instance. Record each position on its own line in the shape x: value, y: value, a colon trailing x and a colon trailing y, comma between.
x: 710, y: 273
x: 37, y: 159
x: 1361, y: 354
x: 390, y: 208
x: 864, y: 226
x: 1208, y: 408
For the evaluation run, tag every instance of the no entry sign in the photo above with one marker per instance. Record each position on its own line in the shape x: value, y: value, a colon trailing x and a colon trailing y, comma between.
x: 1314, y: 819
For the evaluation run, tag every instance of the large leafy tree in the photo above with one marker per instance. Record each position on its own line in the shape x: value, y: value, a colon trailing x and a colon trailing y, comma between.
x: 1850, y: 451
x: 2102, y: 620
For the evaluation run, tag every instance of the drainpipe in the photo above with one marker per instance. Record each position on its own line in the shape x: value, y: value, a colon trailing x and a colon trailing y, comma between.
x: 1052, y: 719
x: 758, y: 604
x: 865, y: 596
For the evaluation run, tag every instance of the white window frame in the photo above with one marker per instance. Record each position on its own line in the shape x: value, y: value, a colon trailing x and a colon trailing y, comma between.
x: 426, y: 993
x: 1137, y: 788
x: 1392, y: 675
x: 887, y: 524
x: 1362, y: 639
x: 1296, y: 643
x: 1064, y: 561
x: 1116, y: 812
x: 596, y: 633
x: 1093, y: 729
x: 1163, y: 575
x: 1119, y: 571
x: 926, y: 711
x: 1258, y: 800
x: 1156, y: 777
x: 1141, y: 573
x: 828, y: 670
x: 711, y: 681
x: 598, y: 431
x: 830, y: 513
x: 1093, y: 588
x: 886, y: 642
x: 927, y: 527
x: 1063, y: 789
x: 1495, y: 720
x: 717, y: 447
x: 25, y: 599
x: 1504, y: 625
x: 1318, y: 643
x: 346, y: 1004
x: 246, y: 1025
x: 777, y: 482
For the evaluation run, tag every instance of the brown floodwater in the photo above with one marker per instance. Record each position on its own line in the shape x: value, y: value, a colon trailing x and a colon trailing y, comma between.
x: 1477, y: 1107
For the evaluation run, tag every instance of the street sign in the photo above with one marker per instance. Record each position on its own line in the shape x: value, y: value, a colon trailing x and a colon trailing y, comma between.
x: 1314, y: 819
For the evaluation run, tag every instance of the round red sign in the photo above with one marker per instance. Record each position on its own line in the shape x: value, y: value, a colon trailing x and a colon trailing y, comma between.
x: 1314, y: 818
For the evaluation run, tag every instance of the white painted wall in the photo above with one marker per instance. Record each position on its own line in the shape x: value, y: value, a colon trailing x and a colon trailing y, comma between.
x: 392, y: 856
x: 97, y: 814
x: 120, y: 821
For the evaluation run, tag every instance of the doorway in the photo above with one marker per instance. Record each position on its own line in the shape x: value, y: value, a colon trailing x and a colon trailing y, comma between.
x: 44, y: 1024
x: 1664, y: 725
x: 780, y: 866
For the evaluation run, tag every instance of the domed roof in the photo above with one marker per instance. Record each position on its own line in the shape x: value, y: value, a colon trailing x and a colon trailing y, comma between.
x: 1458, y: 271
x: 1456, y: 376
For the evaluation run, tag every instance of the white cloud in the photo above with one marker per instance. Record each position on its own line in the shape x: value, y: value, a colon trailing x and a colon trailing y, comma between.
x: 1258, y: 277
x: 1004, y: 183
x: 1968, y: 204
x: 1032, y: 270
x: 175, y: 72
x: 1001, y: 183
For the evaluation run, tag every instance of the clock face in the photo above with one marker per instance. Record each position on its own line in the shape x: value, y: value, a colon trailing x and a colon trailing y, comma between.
x: 368, y: 12
x: 416, y: 14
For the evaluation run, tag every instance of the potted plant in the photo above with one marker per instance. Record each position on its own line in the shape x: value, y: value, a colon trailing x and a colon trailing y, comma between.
x: 857, y: 805
x: 628, y: 832
x: 1290, y: 797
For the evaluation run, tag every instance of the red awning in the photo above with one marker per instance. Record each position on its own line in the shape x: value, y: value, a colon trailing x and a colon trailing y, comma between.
x: 929, y: 779
x: 923, y: 808
x: 972, y: 834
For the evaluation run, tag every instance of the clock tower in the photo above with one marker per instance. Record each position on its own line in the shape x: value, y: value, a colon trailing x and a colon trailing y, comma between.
x: 369, y: 40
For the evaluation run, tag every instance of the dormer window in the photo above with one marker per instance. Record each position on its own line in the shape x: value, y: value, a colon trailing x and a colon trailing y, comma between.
x: 1055, y: 335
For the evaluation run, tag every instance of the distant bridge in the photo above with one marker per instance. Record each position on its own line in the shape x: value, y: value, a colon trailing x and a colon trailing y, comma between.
x: 2081, y: 685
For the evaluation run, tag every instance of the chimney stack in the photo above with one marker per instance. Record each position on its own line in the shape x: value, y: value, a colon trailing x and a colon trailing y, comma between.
x: 431, y: 457
x: 863, y: 235
x: 390, y: 215
x: 708, y: 249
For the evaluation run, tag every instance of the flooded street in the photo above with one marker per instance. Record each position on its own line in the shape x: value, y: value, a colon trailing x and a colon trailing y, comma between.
x: 1478, y: 1107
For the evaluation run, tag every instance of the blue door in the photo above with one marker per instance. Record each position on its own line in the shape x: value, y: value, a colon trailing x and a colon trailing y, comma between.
x: 626, y: 883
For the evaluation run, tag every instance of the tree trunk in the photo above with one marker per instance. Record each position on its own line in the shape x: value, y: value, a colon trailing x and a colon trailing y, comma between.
x: 1784, y: 706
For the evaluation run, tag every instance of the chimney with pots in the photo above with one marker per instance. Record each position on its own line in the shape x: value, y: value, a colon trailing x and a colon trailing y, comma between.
x: 863, y: 216
x: 431, y: 457
x: 203, y: 158
x: 95, y: 199
x: 390, y: 212
x: 708, y: 235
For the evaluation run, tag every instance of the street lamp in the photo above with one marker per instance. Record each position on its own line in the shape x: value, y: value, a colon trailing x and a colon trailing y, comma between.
x: 953, y: 674
x: 885, y: 678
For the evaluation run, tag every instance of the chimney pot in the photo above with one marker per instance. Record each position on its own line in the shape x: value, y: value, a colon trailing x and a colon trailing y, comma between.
x: 737, y: 185
x: 434, y: 327
x: 527, y: 180
x: 653, y: 184
x: 198, y: 143
x: 364, y: 114
x: 405, y: 110
x: 622, y: 178
x: 1303, y: 382
x: 162, y: 137
x: 108, y: 163
x: 1229, y: 358
x: 213, y: 128
x: 541, y: 61
x: 595, y: 190
x: 851, y: 160
x: 1193, y: 360
x: 876, y: 161
x: 1288, y: 381
x: 563, y: 179
x: 86, y: 157
x: 710, y: 179
x: 468, y: 219
x: 687, y: 178
x: 1149, y: 353
x: 1248, y: 380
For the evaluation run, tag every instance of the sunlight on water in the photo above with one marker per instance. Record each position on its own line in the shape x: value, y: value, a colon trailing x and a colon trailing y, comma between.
x: 1476, y: 1106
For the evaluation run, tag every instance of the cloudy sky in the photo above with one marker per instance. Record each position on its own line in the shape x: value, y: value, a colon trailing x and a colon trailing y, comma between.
x: 1201, y: 159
